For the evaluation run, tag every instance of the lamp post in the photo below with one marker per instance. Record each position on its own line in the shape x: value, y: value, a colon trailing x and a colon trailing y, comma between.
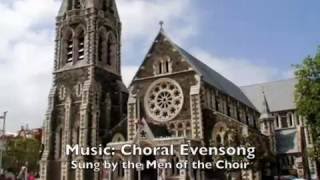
x: 2, y: 138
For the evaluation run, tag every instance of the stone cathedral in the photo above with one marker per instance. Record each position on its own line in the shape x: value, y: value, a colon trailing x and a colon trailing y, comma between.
x: 180, y: 99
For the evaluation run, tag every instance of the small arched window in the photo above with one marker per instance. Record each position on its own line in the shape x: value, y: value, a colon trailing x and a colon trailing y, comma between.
x: 104, y: 5
x: 110, y: 7
x: 111, y: 50
x: 219, y: 140
x: 78, y: 89
x: 77, y: 4
x: 78, y: 135
x: 118, y: 138
x: 290, y: 120
x: 62, y: 92
x: 80, y: 38
x: 58, y: 143
x: 68, y: 46
x: 102, y: 46
x: 163, y: 66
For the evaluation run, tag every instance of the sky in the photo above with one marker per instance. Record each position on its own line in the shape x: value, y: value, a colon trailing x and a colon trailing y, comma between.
x: 247, y: 41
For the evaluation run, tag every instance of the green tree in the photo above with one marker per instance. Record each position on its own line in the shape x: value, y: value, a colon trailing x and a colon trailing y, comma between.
x: 307, y: 97
x: 21, y: 151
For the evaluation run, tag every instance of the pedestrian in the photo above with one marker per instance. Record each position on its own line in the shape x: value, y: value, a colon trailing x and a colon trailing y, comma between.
x: 2, y: 177
x: 9, y: 174
x: 23, y: 174
x: 31, y: 176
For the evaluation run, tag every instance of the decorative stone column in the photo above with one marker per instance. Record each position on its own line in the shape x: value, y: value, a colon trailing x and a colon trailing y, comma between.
x: 132, y: 116
x: 162, y: 172
x: 66, y: 139
x: 196, y: 112
x: 46, y: 136
x: 183, y: 172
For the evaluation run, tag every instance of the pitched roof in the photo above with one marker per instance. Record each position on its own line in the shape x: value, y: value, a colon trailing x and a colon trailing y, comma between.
x: 279, y: 94
x: 212, y: 77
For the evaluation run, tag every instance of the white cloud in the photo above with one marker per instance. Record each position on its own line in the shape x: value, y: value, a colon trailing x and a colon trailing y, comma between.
x: 27, y: 47
x: 27, y: 50
x: 241, y: 71
x: 26, y: 60
x: 140, y: 18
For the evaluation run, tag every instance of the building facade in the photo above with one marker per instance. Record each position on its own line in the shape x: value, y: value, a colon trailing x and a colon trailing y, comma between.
x: 180, y: 99
x: 88, y: 97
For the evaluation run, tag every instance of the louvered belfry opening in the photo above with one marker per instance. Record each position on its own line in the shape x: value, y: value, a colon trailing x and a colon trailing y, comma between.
x: 81, y: 46
x: 69, y: 50
x: 77, y: 4
x: 110, y: 51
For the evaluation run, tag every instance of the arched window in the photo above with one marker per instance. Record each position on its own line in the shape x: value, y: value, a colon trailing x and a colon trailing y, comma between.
x: 109, y: 44
x: 81, y: 45
x: 111, y: 50
x: 58, y: 143
x: 118, y: 138
x: 162, y: 65
x: 77, y: 135
x: 110, y: 7
x: 77, y: 4
x: 62, y: 92
x: 78, y: 89
x: 104, y: 5
x: 219, y: 140
x: 174, y: 171
x: 102, y: 45
x: 290, y: 119
x: 68, y: 46
x: 118, y: 173
x: 277, y: 121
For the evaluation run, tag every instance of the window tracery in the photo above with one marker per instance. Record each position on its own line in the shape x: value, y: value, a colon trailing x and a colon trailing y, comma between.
x: 164, y: 100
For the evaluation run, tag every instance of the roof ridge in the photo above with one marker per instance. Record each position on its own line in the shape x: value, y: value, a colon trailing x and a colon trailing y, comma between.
x: 268, y: 82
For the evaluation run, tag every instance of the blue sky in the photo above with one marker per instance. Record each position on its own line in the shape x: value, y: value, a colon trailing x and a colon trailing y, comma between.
x: 276, y: 32
x: 247, y: 41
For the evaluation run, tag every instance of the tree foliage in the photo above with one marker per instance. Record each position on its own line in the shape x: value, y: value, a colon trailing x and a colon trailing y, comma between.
x: 307, y: 97
x: 21, y: 151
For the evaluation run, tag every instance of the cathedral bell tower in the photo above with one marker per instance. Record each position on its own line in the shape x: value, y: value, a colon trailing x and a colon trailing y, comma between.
x: 88, y: 97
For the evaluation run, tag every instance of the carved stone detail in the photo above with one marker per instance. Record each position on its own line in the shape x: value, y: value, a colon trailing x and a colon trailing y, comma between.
x: 164, y: 100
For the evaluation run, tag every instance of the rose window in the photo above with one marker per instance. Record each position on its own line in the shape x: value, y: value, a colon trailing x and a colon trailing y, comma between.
x: 164, y: 100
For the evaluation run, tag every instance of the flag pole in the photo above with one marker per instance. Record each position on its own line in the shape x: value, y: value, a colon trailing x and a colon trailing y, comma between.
x: 3, y: 138
x: 4, y: 122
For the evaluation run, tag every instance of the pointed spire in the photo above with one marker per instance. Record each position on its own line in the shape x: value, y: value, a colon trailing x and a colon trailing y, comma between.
x: 265, y: 111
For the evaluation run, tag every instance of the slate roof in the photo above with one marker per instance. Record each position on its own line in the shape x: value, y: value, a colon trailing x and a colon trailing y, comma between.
x: 279, y: 94
x: 212, y: 77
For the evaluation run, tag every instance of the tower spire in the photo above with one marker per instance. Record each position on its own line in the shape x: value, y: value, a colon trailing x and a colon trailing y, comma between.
x: 265, y: 112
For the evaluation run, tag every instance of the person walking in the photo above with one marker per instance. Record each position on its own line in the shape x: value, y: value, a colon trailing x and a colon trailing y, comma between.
x: 31, y: 176
x: 23, y: 174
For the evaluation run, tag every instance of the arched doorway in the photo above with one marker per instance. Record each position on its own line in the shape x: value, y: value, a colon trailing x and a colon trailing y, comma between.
x: 151, y: 173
